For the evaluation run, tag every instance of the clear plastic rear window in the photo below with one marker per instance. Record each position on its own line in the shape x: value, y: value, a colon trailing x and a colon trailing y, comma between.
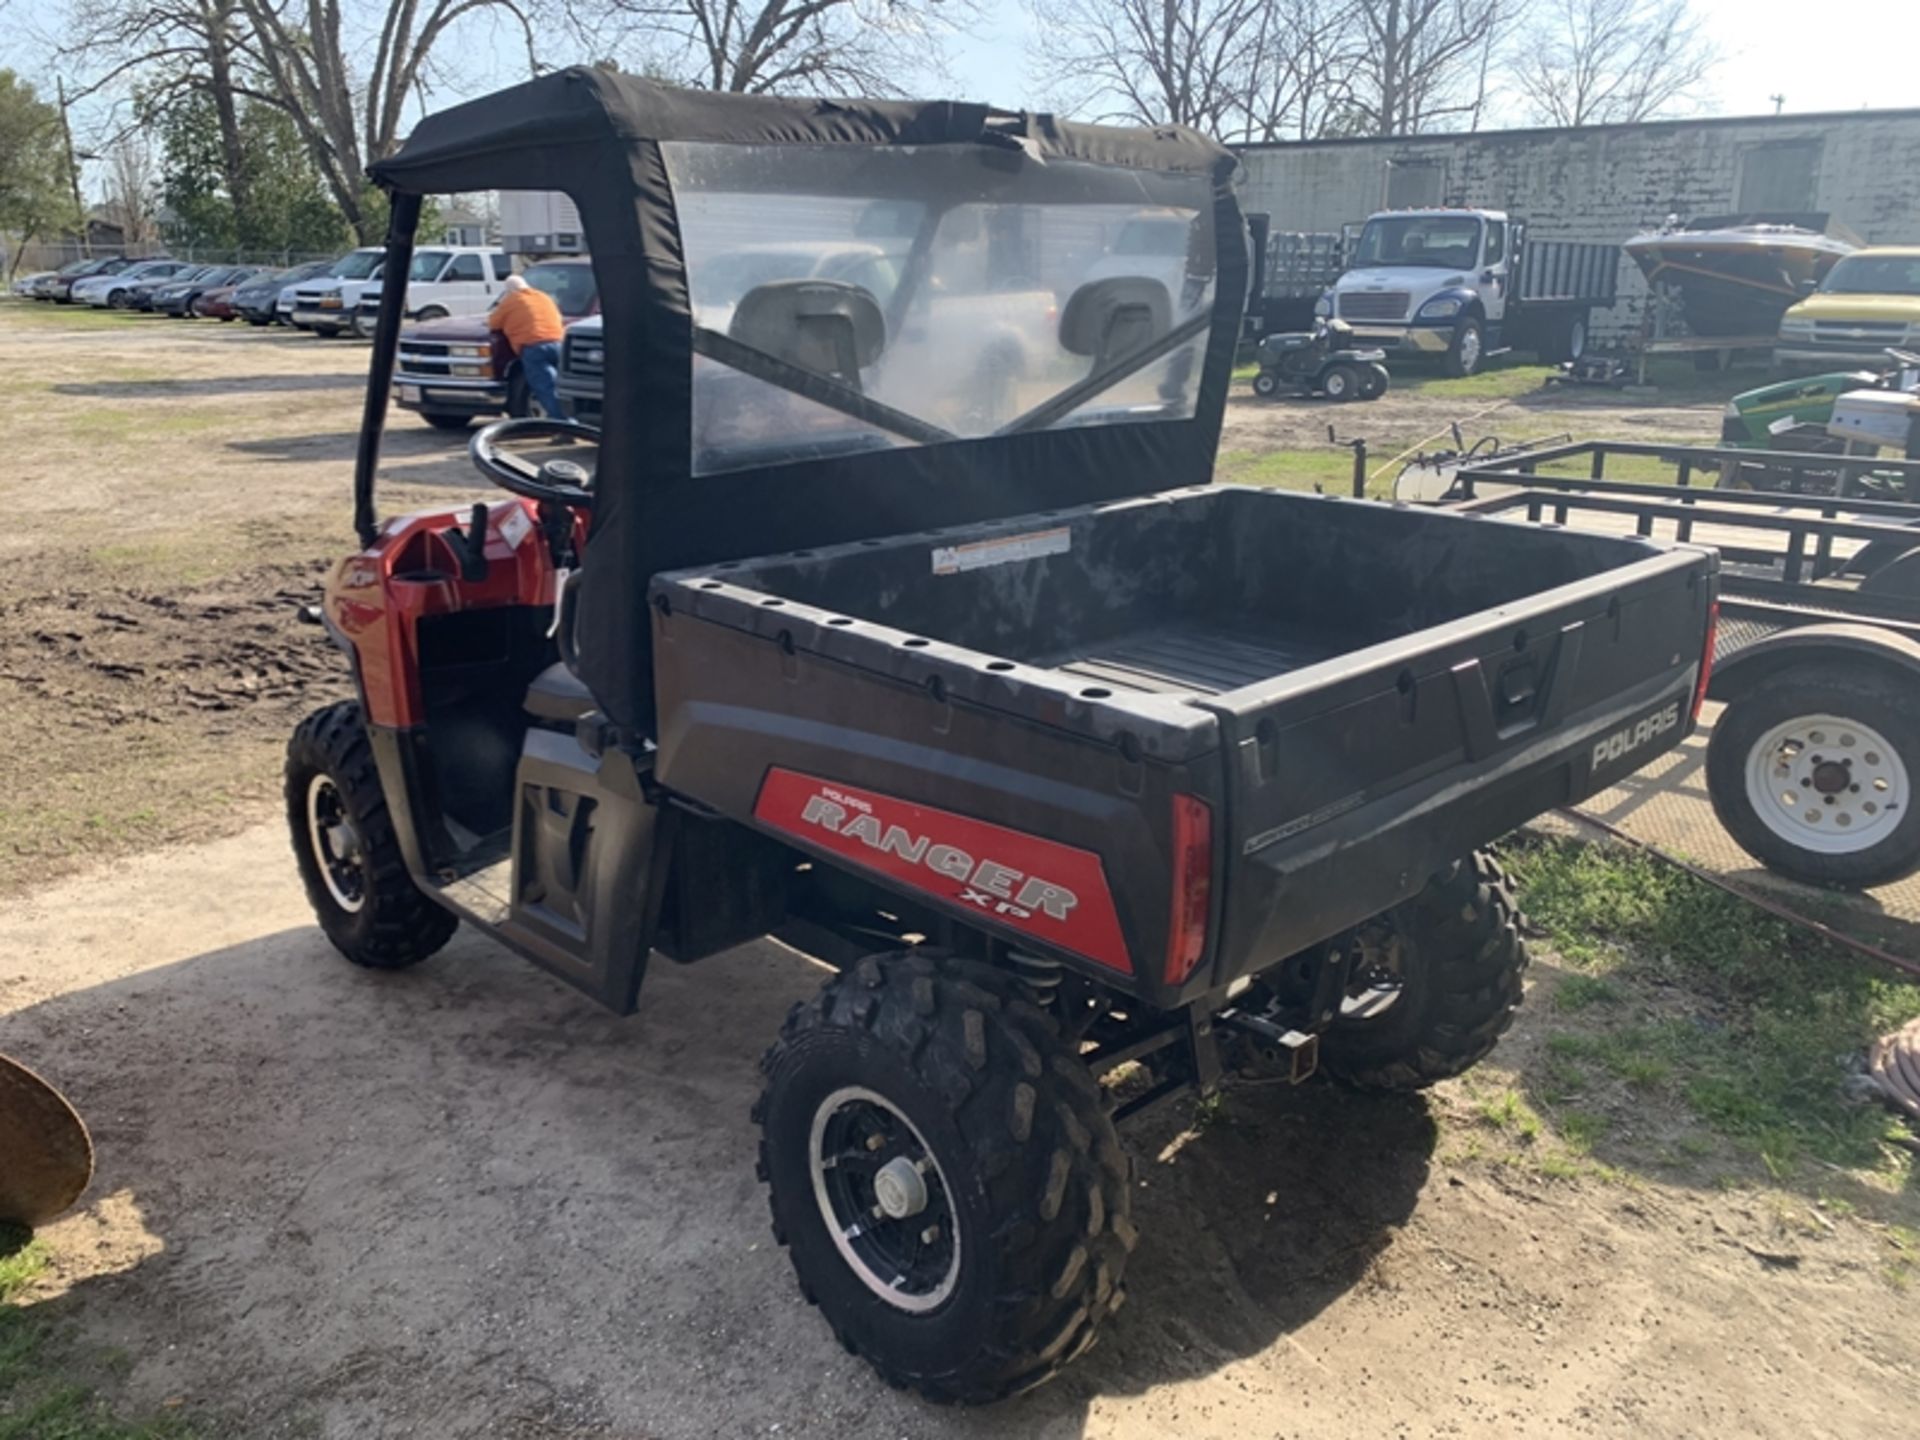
x: 940, y: 285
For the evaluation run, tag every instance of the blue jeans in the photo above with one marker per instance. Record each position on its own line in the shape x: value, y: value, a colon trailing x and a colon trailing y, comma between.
x: 540, y: 363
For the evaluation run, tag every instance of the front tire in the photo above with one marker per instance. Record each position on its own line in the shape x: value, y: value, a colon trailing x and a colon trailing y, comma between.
x: 1812, y: 774
x: 1467, y: 350
x: 944, y: 1175
x: 1446, y: 978
x: 443, y: 420
x: 349, y: 856
x: 1266, y: 384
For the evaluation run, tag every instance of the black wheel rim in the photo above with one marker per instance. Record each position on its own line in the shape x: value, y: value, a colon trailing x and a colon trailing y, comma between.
x: 336, y: 844
x: 1378, y: 974
x: 884, y: 1199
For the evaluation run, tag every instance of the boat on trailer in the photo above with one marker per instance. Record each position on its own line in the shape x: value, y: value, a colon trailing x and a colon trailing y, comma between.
x: 1737, y: 274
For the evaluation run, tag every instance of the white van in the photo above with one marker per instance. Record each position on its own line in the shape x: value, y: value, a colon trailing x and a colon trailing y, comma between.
x: 443, y: 280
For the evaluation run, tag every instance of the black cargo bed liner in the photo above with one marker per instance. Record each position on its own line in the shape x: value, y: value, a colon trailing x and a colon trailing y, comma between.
x: 1192, y: 658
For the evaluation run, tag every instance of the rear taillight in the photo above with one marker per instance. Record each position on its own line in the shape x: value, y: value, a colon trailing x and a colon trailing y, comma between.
x: 1706, y: 659
x: 1192, y: 886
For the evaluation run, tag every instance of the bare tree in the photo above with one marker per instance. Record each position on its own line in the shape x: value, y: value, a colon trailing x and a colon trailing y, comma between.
x: 305, y: 52
x: 1300, y: 69
x: 773, y: 46
x: 132, y: 184
x: 1601, y: 62
x: 1149, y: 62
x: 169, y: 48
x: 1420, y: 63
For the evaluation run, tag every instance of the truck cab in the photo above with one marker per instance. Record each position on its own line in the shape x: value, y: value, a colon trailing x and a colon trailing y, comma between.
x: 325, y: 304
x: 443, y: 281
x: 1462, y: 285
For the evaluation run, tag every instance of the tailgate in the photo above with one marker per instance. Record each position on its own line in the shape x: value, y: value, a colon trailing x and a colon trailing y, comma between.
x: 1349, y: 782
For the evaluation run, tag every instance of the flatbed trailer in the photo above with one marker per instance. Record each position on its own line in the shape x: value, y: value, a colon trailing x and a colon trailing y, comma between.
x: 1817, y: 652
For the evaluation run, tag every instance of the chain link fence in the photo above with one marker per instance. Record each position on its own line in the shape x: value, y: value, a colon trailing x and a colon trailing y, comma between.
x: 52, y: 255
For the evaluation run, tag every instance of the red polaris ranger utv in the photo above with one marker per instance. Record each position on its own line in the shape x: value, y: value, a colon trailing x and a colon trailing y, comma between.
x: 894, y: 615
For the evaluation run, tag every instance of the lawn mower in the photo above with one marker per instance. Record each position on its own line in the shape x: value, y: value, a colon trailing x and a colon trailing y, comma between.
x: 1321, y: 361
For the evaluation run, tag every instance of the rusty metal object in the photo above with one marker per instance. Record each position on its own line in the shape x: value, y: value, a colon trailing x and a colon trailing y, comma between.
x: 46, y: 1155
x: 1894, y: 1063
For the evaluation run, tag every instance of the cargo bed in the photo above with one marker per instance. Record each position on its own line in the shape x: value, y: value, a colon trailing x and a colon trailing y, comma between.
x: 1319, y: 672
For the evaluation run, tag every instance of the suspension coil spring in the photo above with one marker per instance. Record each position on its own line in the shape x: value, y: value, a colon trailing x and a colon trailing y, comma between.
x: 1040, y: 975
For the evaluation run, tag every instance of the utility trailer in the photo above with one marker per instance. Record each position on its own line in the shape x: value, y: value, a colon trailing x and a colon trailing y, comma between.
x: 1813, y: 761
x: 977, y: 692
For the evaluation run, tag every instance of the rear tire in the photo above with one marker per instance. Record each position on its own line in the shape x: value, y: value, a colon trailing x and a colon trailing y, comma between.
x: 1460, y: 960
x: 349, y: 856
x: 1375, y: 380
x: 1756, y: 731
x: 928, y: 1061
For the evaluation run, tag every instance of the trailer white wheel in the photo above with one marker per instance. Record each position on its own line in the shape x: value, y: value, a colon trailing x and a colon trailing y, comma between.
x: 1811, y: 769
x: 1827, y: 784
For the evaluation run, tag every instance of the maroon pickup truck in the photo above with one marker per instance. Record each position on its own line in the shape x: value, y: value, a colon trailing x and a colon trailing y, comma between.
x: 451, y: 371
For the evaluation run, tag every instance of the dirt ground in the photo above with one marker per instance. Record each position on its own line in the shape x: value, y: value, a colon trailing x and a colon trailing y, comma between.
x: 461, y: 1201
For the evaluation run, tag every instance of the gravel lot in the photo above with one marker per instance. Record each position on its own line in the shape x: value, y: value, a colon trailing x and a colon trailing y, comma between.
x: 461, y: 1201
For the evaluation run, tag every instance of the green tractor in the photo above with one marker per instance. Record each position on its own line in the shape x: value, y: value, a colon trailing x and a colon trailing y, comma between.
x: 1791, y: 414
x: 1843, y: 412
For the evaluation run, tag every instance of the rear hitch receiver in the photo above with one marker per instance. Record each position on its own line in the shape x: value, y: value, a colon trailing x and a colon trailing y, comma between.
x: 1291, y: 1053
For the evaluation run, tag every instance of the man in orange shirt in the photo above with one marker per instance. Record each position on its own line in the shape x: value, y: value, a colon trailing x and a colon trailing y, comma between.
x: 533, y: 327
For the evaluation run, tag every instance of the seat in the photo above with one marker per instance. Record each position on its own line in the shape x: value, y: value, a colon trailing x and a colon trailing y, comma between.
x: 559, y: 695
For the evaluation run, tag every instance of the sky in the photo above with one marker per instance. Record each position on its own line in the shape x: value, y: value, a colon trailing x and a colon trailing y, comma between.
x: 1870, y: 58
x: 1867, y: 56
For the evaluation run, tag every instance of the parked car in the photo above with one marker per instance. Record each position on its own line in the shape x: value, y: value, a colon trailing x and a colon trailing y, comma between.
x: 111, y: 291
x: 140, y: 294
x: 59, y: 288
x: 23, y: 284
x: 177, y: 296
x: 257, y: 301
x: 177, y: 299
x: 441, y: 282
x: 449, y: 371
x: 1869, y: 302
x: 325, y: 304
x: 43, y: 283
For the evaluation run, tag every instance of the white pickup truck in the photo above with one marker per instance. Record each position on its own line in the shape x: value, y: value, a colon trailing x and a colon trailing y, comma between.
x: 1462, y: 285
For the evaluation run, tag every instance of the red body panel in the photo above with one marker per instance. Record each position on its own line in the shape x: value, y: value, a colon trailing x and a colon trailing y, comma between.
x: 378, y: 597
x: 1056, y: 893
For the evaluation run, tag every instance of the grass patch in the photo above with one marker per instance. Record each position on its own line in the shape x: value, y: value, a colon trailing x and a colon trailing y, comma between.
x: 1324, y: 469
x: 39, y: 1399
x: 1742, y: 1019
x: 22, y: 1258
x: 1583, y: 992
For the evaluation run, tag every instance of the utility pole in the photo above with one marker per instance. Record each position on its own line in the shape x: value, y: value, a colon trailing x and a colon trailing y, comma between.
x: 73, y: 167
x: 1778, y: 101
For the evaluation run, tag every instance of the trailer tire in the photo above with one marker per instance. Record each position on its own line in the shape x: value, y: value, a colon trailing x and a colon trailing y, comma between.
x: 946, y: 1063
x: 1467, y: 350
x: 1792, y: 708
x: 1461, y: 964
x: 358, y: 885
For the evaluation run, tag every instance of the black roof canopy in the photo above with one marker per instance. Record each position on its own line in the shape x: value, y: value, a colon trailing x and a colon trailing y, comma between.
x: 598, y: 136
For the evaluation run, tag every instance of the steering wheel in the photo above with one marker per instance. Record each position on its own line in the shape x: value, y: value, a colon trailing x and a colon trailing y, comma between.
x: 556, y: 482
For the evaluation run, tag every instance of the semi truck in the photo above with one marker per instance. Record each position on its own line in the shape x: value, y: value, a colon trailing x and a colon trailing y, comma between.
x: 1463, y: 285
